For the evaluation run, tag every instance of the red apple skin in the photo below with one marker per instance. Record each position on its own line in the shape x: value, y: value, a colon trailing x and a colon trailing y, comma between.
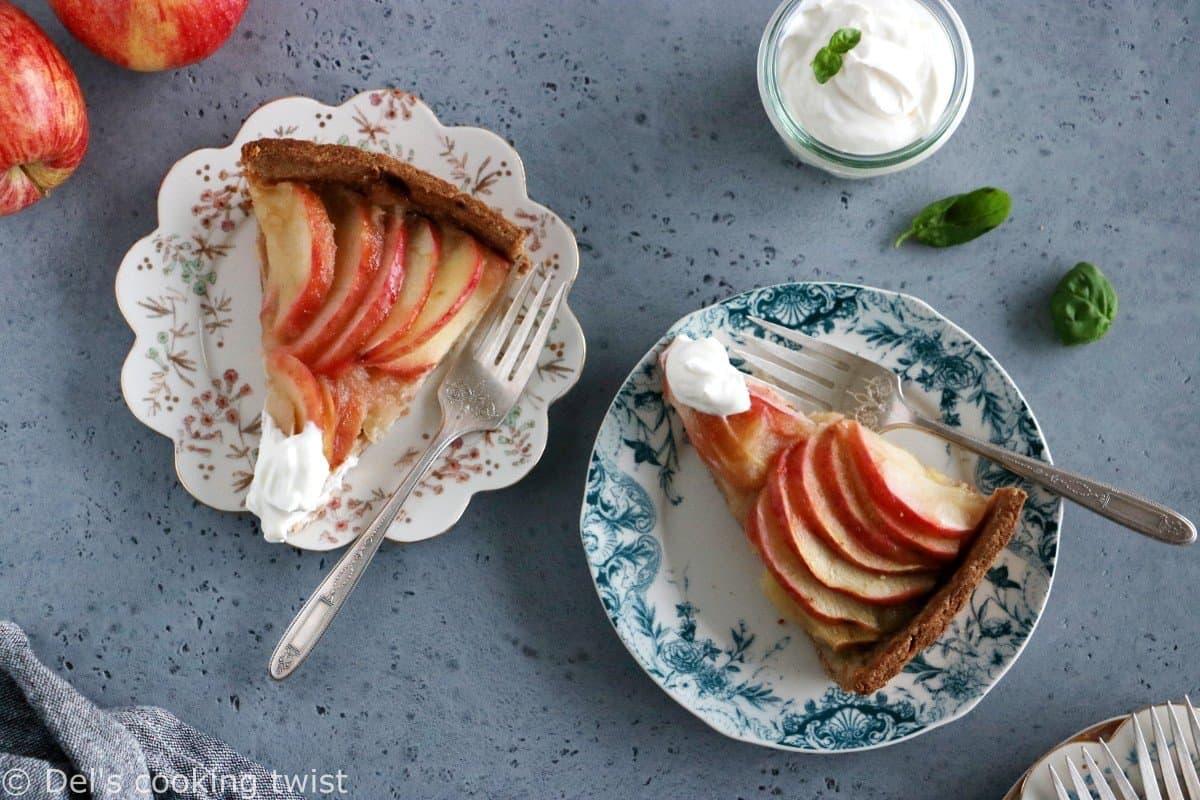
x: 349, y: 401
x: 300, y: 395
x: 379, y: 298
x: 302, y: 269
x: 457, y: 277
x: 739, y: 448
x: 358, y: 233
x: 422, y: 256
x: 426, y: 356
x: 908, y: 521
x: 151, y: 35
x: 825, y: 562
x: 768, y: 538
x: 867, y: 508
x: 816, y: 505
x: 772, y: 539
x: 43, y: 120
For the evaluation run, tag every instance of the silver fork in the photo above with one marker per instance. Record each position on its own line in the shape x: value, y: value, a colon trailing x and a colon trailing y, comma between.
x: 828, y: 378
x: 1160, y: 775
x: 483, y: 385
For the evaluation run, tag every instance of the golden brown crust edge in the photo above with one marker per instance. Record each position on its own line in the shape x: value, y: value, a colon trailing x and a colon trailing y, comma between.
x: 272, y: 160
x: 867, y: 671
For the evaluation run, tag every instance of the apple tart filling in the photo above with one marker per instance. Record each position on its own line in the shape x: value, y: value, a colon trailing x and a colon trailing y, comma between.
x: 864, y: 547
x: 363, y: 295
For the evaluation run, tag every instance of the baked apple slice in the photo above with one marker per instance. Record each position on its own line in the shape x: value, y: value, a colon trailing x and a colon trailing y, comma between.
x: 377, y: 300
x: 297, y: 241
x: 358, y: 233
x: 838, y: 636
x: 863, y: 545
x: 457, y: 276
x: 767, y: 532
x: 739, y: 449
x: 421, y: 261
x: 920, y: 503
x: 426, y: 355
x: 295, y: 398
x: 349, y: 395
x: 860, y: 506
x: 828, y: 565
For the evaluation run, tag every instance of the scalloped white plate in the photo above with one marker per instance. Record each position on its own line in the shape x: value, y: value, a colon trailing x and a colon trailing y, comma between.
x: 190, y: 292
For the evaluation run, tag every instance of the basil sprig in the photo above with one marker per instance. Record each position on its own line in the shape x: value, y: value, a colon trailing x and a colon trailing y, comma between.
x: 829, y: 58
x: 1083, y: 306
x: 959, y: 218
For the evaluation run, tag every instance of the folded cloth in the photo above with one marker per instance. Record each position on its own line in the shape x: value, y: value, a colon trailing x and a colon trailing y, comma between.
x: 57, y: 745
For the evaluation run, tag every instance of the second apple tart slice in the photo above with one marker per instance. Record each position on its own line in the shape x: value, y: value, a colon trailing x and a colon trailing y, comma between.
x: 869, y: 551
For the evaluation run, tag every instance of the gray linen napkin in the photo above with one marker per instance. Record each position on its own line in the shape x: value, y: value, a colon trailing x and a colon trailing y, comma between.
x: 57, y: 745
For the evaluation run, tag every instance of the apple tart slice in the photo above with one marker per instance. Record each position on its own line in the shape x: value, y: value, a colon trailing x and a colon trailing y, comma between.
x: 372, y: 270
x: 869, y: 551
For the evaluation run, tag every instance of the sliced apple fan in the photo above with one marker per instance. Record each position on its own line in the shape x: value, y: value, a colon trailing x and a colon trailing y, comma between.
x: 371, y: 272
x: 868, y: 550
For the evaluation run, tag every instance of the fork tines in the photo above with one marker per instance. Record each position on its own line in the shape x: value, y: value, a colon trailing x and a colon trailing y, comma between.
x: 503, y: 339
x: 813, y: 374
x: 782, y: 367
x: 836, y: 356
x: 1170, y: 770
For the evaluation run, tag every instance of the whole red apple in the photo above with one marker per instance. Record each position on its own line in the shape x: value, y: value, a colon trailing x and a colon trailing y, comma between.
x: 151, y: 35
x: 43, y: 121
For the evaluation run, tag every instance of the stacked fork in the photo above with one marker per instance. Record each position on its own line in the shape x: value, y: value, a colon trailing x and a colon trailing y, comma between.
x: 1173, y: 762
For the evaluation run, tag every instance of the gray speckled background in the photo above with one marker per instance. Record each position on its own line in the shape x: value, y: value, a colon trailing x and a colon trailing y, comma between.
x: 481, y: 664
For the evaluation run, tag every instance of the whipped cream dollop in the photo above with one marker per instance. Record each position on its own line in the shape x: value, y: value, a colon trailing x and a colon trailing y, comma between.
x: 292, y: 479
x: 893, y: 86
x: 700, y: 376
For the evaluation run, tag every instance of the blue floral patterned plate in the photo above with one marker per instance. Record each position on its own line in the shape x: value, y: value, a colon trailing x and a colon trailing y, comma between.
x: 680, y: 585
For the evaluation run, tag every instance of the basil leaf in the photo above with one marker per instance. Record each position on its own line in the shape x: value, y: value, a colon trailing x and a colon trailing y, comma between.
x: 1083, y: 306
x: 959, y: 218
x: 844, y: 40
x: 828, y: 60
x: 826, y: 64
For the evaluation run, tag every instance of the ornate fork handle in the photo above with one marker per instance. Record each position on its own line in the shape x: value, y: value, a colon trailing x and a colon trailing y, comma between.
x: 310, y: 624
x: 1134, y: 512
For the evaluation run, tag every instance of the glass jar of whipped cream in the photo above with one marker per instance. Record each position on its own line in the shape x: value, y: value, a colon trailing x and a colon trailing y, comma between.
x: 898, y: 94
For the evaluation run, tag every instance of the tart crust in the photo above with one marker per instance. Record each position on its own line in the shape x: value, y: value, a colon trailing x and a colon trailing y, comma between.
x: 274, y: 160
x: 865, y: 670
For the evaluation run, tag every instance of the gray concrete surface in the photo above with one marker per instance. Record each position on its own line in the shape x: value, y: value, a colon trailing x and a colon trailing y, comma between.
x: 481, y: 664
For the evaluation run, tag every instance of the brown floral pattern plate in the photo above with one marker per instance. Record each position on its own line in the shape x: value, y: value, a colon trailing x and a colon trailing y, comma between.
x: 190, y: 292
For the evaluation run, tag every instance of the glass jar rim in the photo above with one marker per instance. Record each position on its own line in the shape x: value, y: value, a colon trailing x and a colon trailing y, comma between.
x: 791, y: 129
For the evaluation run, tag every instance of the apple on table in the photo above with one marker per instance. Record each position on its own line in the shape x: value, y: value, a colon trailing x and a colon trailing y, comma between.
x: 151, y: 35
x: 43, y: 120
